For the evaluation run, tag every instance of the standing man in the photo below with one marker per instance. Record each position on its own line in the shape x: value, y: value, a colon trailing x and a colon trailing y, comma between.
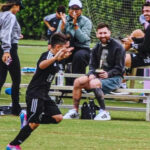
x: 109, y: 56
x: 10, y: 33
x: 78, y: 27
x: 52, y: 21
x: 142, y: 58
x: 40, y: 108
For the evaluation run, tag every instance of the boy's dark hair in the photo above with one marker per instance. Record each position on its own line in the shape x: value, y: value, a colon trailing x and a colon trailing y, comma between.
x: 58, y: 38
x: 145, y: 4
x: 102, y: 25
x: 61, y: 9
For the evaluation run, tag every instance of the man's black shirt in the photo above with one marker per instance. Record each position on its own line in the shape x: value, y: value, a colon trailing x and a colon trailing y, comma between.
x: 115, y: 58
x: 42, y: 79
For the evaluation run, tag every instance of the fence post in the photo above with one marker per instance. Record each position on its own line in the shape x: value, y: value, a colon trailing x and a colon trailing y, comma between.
x: 148, y: 108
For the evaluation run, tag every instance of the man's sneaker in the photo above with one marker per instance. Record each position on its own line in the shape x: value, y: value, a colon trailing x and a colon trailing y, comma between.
x: 13, y: 147
x: 123, y: 85
x: 72, y: 114
x: 103, y: 115
x: 23, y: 118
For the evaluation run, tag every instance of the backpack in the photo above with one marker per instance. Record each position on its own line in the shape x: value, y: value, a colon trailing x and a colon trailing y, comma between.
x: 88, y: 110
x: 5, y: 110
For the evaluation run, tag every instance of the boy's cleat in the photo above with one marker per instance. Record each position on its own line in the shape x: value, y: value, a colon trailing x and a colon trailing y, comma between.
x: 13, y: 147
x: 72, y: 114
x: 103, y: 116
x: 23, y: 118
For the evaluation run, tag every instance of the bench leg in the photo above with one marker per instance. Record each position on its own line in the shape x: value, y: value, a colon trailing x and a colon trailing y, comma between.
x: 148, y: 108
x: 133, y: 73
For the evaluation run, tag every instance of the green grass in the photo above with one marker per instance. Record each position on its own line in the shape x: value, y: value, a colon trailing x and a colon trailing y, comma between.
x: 33, y: 42
x: 126, y: 130
x: 128, y: 133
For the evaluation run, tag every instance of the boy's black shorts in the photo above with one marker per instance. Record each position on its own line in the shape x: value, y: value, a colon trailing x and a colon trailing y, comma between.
x: 38, y: 107
x: 138, y: 61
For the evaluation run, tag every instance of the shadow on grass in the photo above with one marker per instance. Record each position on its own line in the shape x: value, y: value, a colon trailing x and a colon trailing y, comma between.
x: 128, y: 119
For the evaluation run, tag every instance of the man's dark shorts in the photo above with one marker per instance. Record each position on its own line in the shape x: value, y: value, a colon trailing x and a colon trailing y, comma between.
x: 38, y: 107
x: 111, y: 84
x: 137, y: 60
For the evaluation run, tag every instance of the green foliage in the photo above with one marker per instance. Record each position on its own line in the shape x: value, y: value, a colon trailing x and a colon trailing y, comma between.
x: 31, y: 18
x: 121, y: 15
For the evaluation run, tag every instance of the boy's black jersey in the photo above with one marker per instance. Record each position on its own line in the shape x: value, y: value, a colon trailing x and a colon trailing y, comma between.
x: 42, y: 79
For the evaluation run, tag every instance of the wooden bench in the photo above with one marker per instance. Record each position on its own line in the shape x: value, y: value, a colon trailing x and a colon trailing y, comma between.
x: 133, y: 73
x: 57, y: 91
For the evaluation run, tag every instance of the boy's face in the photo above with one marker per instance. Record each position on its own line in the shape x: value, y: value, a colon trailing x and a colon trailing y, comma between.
x: 58, y: 47
x: 103, y: 35
x: 58, y: 15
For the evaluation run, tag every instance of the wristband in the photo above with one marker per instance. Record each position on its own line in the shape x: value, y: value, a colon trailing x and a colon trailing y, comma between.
x: 133, y: 45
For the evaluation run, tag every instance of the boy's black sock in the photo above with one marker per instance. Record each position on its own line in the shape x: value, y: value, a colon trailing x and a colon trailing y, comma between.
x: 100, y: 97
x: 22, y: 136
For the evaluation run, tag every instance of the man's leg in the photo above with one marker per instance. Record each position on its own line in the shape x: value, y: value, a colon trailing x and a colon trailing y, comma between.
x: 96, y: 85
x: 79, y: 83
x: 3, y: 73
x: 80, y: 60
x: 100, y: 97
x: 15, y: 73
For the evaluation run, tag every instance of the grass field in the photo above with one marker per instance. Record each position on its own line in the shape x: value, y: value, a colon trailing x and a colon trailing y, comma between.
x: 126, y: 130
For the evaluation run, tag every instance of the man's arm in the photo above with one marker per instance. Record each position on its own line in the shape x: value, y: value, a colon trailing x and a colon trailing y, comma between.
x: 93, y: 64
x: 46, y: 21
x: 49, y: 26
x: 62, y: 23
x: 119, y: 67
x: 6, y: 31
x: 83, y: 34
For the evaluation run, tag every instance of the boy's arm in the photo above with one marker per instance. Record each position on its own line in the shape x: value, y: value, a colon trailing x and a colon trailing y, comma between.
x: 45, y: 63
x: 61, y: 54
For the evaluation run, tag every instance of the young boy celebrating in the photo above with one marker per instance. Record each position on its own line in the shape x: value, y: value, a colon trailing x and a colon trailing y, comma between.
x: 40, y: 108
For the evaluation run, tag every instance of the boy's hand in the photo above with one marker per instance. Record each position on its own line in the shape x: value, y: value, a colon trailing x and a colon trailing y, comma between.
x: 64, y: 53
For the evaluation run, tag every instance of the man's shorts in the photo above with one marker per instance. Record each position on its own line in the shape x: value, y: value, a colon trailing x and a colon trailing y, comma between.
x: 37, y: 107
x: 111, y: 84
x: 137, y: 60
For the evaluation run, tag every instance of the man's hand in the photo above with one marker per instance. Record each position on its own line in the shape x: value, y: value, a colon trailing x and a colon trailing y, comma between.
x: 52, y: 29
x: 91, y: 77
x: 63, y: 17
x: 21, y: 36
x: 127, y: 43
x: 75, y: 16
x: 103, y: 75
x: 6, y: 56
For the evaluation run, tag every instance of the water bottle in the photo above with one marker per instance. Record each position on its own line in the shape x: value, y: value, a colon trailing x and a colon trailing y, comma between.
x: 60, y: 77
x: 8, y: 62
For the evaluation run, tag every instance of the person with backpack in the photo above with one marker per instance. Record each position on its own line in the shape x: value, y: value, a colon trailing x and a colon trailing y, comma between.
x: 107, y: 65
x: 10, y: 33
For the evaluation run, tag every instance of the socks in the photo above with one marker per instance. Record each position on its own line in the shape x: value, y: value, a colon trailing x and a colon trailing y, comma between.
x: 100, y: 97
x: 22, y: 136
